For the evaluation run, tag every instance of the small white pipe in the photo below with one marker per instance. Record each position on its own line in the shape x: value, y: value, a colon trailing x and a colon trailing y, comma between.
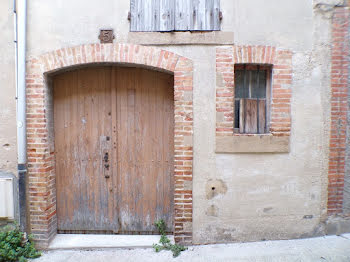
x: 15, y: 41
x: 21, y: 82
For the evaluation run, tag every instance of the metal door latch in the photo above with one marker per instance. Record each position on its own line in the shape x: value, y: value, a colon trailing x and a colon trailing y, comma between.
x: 106, y: 157
x: 106, y: 165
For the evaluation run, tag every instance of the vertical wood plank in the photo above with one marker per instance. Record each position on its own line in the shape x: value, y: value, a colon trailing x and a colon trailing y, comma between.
x: 58, y: 136
x: 150, y: 200
x: 128, y: 188
x: 268, y: 100
x: 114, y: 214
x: 251, y: 116
x: 208, y: 15
x: 79, y: 144
x: 123, y: 172
x: 216, y: 15
x: 262, y: 116
x: 146, y: 153
x: 167, y: 15
x: 137, y: 15
x: 140, y: 141
x: 198, y: 15
x: 241, y: 115
x: 71, y: 133
x: 161, y: 153
x: 94, y: 156
x: 132, y: 178
x: 85, y: 158
x: 183, y: 15
x: 155, y: 15
x: 121, y: 147
x: 133, y: 15
x: 106, y: 134
x: 168, y: 149
x: 150, y: 15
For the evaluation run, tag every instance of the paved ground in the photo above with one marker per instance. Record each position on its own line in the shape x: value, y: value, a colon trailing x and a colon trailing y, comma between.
x: 322, y: 249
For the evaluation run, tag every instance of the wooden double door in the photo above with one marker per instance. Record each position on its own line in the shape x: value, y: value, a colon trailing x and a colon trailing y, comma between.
x: 114, y: 150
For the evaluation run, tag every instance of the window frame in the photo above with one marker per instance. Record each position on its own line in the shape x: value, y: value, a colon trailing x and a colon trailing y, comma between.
x: 269, y: 69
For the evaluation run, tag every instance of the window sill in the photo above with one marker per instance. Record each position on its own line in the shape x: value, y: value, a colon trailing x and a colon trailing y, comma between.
x: 251, y: 143
x: 181, y: 38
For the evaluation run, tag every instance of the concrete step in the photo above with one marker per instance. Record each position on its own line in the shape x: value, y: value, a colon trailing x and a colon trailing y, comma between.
x: 90, y: 241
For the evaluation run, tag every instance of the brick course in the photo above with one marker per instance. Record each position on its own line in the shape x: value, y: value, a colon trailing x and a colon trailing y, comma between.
x: 40, y: 151
x: 339, y: 108
x: 281, y: 92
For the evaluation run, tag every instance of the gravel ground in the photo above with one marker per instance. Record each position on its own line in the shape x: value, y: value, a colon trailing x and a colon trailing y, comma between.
x: 330, y: 248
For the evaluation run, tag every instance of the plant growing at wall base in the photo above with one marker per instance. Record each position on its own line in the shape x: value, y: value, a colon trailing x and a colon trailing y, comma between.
x: 164, y: 242
x: 14, y: 246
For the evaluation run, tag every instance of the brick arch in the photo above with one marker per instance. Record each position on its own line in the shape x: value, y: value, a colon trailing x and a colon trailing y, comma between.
x: 40, y: 152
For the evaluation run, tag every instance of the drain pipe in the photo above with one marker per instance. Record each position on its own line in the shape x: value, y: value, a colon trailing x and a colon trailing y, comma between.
x: 20, y: 14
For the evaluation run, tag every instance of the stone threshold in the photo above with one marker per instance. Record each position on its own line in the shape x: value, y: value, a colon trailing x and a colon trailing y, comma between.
x: 90, y: 241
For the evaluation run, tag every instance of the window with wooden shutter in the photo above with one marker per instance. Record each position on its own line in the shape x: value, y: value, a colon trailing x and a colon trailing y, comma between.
x: 252, y: 94
x: 174, y: 15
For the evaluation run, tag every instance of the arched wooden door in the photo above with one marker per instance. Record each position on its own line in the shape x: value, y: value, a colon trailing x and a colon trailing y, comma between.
x: 114, y: 144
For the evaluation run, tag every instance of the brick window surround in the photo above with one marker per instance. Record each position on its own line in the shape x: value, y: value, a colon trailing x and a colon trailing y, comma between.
x: 277, y: 139
x: 41, y: 199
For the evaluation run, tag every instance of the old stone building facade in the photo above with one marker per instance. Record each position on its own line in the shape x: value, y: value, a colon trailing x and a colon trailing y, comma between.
x: 258, y: 120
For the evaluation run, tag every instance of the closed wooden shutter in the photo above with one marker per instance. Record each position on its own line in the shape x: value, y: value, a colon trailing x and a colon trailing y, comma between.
x: 152, y: 15
x: 252, y: 116
x: 174, y: 15
x: 197, y: 15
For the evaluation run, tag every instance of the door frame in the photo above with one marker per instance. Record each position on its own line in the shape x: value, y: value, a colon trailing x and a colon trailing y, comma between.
x: 41, y: 200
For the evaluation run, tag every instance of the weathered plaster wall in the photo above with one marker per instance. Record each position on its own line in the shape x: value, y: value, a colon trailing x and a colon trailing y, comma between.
x: 8, y: 159
x: 253, y: 22
x: 262, y: 196
x: 287, y: 24
x: 259, y: 196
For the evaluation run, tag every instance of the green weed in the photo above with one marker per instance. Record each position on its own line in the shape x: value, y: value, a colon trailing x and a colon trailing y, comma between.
x: 164, y: 242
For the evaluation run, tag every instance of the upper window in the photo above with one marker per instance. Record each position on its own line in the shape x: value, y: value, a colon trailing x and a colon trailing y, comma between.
x: 252, y: 96
x: 174, y: 15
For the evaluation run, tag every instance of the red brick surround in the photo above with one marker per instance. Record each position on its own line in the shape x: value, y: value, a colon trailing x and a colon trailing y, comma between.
x: 339, y: 108
x: 41, y: 158
x: 281, y: 61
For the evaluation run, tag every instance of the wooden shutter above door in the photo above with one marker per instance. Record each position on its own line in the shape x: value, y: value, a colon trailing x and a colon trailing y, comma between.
x: 197, y: 15
x: 174, y: 15
x: 152, y: 15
